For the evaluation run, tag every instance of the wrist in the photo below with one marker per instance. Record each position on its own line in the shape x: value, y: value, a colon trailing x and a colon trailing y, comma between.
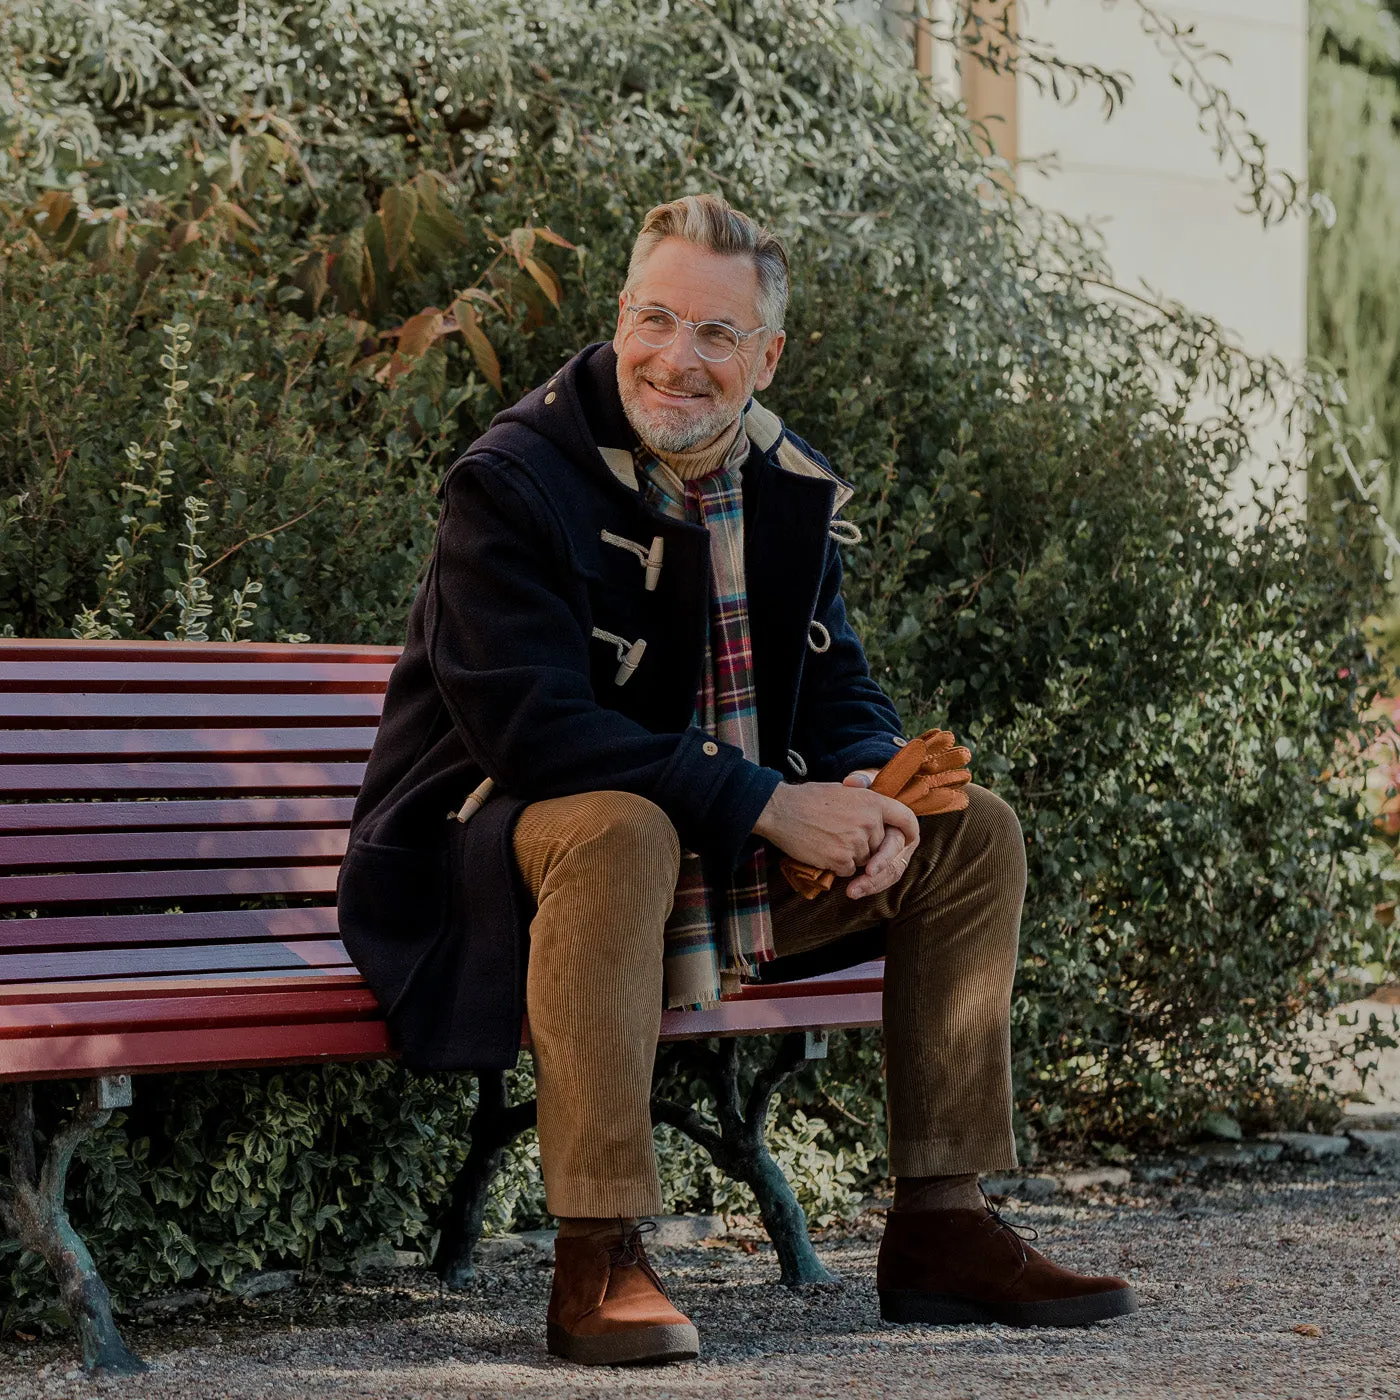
x: 771, y: 815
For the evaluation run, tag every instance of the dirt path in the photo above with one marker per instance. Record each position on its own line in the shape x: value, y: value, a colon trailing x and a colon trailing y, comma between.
x: 1226, y: 1273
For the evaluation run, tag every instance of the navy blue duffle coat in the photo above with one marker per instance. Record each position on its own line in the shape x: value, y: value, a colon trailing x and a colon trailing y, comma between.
x: 501, y: 676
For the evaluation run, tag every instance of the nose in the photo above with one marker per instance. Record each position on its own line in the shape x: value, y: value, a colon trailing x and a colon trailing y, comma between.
x: 679, y: 356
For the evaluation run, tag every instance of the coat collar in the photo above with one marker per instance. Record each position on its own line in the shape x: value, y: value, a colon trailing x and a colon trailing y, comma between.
x: 579, y: 409
x: 765, y: 431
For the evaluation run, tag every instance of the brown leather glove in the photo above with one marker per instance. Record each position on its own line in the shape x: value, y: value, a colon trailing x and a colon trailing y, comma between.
x: 928, y: 775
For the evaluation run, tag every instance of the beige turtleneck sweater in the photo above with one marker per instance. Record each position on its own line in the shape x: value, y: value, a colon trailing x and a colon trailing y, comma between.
x: 701, y: 461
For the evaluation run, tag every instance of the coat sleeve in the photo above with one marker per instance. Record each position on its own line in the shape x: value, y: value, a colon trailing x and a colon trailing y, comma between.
x: 844, y: 719
x: 507, y: 638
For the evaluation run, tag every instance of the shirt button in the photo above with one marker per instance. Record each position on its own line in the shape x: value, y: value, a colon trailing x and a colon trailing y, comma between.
x: 549, y: 398
x: 709, y: 747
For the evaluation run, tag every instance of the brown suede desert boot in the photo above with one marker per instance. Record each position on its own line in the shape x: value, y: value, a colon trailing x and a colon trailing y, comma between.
x: 954, y: 1266
x: 608, y: 1308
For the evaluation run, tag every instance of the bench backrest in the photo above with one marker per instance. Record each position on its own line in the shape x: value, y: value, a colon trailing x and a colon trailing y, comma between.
x: 175, y: 814
x: 172, y: 818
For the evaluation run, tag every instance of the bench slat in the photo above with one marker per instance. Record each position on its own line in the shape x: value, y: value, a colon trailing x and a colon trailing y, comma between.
x: 174, y: 1013
x: 169, y: 1052
x: 764, y: 1016
x: 29, y: 891
x: 136, y: 930
x: 168, y: 959
x: 77, y: 707
x: 167, y: 743
x: 183, y: 675
x: 72, y: 852
x: 208, y: 984
x: 176, y: 813
x: 32, y: 779
x: 864, y: 977
x: 75, y: 649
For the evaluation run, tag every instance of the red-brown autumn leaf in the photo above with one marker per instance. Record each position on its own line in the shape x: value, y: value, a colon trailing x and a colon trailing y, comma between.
x: 548, y: 282
x: 469, y: 323
x: 419, y: 332
x: 398, y: 207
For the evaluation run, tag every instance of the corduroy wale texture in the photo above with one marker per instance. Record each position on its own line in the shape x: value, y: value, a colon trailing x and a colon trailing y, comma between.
x: 603, y: 866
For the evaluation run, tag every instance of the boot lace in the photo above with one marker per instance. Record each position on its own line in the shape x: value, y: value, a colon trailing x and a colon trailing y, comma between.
x: 629, y: 1249
x: 996, y: 1224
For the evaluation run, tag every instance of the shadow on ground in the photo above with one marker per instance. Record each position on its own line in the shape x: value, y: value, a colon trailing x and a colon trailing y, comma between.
x: 1228, y: 1273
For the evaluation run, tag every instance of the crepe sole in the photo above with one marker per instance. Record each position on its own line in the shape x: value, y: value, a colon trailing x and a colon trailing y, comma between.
x: 639, y: 1346
x: 942, y: 1310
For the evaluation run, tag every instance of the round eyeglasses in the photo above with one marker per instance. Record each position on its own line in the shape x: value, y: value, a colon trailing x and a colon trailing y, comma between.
x: 715, y: 341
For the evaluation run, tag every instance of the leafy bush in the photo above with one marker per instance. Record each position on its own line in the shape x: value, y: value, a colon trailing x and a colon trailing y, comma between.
x: 265, y: 291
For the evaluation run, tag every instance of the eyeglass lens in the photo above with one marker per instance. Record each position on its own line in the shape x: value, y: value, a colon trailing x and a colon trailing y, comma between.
x: 656, y: 328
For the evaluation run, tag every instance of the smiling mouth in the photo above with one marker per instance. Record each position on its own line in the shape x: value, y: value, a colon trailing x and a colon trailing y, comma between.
x: 675, y: 395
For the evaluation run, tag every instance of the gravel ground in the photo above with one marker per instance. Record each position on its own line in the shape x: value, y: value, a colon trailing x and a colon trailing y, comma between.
x: 1279, y: 1284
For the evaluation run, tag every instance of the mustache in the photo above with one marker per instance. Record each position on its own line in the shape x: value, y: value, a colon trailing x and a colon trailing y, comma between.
x: 686, y: 384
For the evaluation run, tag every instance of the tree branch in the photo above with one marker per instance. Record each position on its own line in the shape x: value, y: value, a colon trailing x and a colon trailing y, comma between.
x: 790, y: 1054
x: 688, y: 1121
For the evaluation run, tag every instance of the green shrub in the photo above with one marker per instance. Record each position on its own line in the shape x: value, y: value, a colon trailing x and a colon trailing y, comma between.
x: 1163, y: 692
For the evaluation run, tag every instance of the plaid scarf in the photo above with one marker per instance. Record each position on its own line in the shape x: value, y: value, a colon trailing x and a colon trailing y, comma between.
x: 715, y: 936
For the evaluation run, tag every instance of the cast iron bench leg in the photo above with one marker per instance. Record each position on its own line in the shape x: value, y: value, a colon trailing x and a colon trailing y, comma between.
x: 739, y: 1148
x: 495, y: 1124
x: 35, y: 1213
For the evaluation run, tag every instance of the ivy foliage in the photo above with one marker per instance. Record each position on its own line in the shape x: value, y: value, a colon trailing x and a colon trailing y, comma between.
x: 266, y: 269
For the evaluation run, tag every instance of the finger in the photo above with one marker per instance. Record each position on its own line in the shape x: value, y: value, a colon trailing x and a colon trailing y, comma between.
x: 888, y: 853
x: 896, y: 814
x: 865, y: 842
x: 958, y: 757
x: 898, y: 770
x: 942, y: 800
x: 936, y: 740
x: 872, y: 882
x: 950, y: 779
x: 919, y: 788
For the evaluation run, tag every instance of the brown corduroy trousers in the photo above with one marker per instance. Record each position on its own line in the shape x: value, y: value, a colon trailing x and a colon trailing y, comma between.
x: 602, y: 867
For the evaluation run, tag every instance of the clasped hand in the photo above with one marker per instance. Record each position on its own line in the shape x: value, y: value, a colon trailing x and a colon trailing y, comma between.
x: 842, y: 827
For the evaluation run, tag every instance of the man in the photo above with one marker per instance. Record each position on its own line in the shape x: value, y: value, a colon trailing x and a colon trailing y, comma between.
x: 632, y: 629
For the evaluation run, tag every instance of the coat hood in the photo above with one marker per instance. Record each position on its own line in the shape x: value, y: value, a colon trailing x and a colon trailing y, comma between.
x: 579, y: 411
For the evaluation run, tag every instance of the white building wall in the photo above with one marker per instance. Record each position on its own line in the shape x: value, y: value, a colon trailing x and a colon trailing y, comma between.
x: 1149, y: 179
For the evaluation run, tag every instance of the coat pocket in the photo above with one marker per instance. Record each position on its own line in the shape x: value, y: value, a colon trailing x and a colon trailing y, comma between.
x: 392, y: 902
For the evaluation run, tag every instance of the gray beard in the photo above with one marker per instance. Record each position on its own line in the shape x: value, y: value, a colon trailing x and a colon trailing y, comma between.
x: 666, y: 430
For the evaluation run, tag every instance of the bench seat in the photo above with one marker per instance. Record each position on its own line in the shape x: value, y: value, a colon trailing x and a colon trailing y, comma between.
x: 216, y: 780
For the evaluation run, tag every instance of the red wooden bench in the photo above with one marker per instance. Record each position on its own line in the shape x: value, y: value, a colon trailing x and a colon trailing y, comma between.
x: 172, y: 818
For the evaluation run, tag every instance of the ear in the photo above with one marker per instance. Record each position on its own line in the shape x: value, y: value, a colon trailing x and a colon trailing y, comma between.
x: 772, y: 353
x: 618, y: 333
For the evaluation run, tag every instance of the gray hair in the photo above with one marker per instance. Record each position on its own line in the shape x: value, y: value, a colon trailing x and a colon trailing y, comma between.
x: 713, y: 223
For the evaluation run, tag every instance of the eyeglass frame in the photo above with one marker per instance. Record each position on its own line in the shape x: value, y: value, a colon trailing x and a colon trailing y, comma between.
x: 742, y: 336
